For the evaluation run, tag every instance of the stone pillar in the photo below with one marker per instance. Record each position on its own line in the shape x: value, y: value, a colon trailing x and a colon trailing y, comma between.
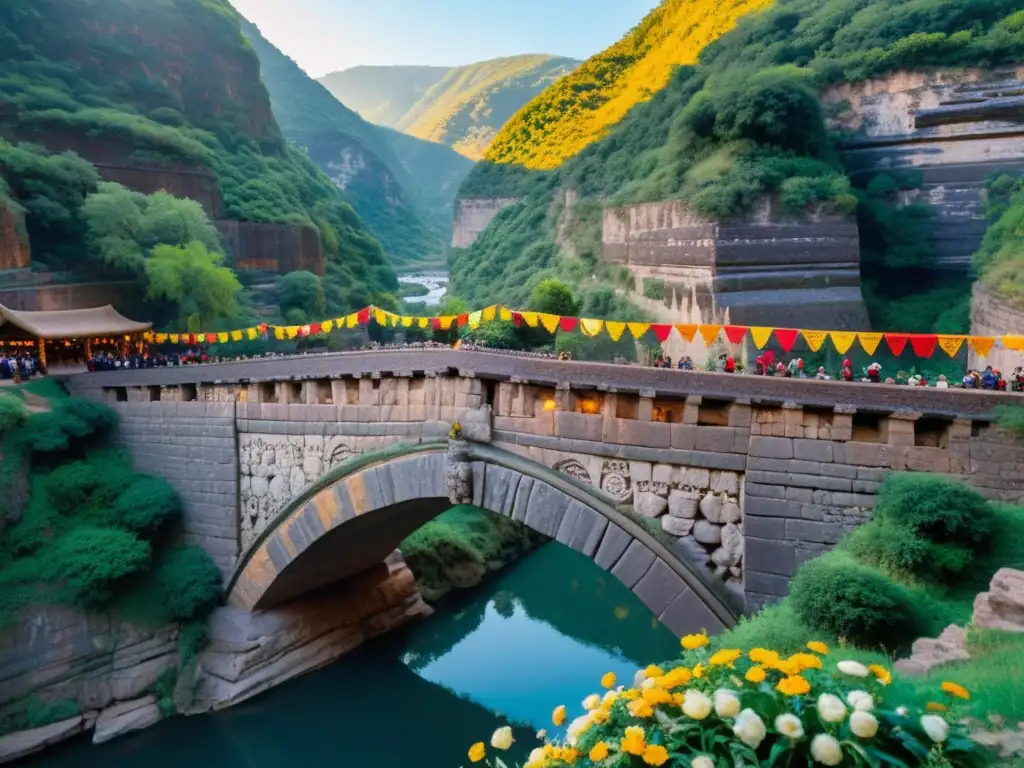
x: 610, y: 408
x: 691, y: 409
x: 432, y: 397
x: 793, y: 419
x: 645, y: 408
x: 842, y: 422
x: 310, y: 396
x: 740, y: 413
x: 339, y: 393
x: 283, y: 392
x: 563, y: 396
x: 899, y: 428
x: 367, y: 394
x: 960, y: 447
x: 506, y: 398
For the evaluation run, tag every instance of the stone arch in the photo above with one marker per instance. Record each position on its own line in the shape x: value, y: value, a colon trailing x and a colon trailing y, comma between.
x: 356, y: 515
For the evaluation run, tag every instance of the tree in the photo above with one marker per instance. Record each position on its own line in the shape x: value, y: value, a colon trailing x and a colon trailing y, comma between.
x: 194, y: 280
x: 302, y: 291
x: 553, y: 297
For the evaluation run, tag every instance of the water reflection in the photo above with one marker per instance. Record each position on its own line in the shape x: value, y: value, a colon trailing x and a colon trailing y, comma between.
x: 436, y: 286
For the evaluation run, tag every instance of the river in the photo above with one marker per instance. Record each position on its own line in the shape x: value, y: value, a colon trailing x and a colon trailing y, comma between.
x: 436, y: 285
x: 538, y: 634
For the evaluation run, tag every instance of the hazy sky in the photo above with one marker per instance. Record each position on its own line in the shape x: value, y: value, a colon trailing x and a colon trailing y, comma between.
x: 328, y: 35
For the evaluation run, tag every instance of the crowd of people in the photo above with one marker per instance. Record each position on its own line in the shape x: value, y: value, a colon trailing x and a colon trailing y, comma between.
x: 19, y: 366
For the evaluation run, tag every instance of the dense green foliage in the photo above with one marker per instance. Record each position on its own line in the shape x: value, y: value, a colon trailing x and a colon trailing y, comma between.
x: 742, y: 123
x: 1000, y: 260
x: 195, y: 282
x: 460, y: 107
x: 1011, y: 418
x: 35, y: 713
x: 94, y: 534
x: 302, y: 292
x: 193, y: 98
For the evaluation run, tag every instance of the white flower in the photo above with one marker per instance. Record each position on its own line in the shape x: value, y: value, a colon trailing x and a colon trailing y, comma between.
x: 649, y: 682
x: 502, y: 738
x: 863, y: 724
x: 591, y: 702
x: 696, y: 705
x: 936, y: 728
x: 789, y: 725
x: 576, y: 727
x: 536, y: 757
x: 860, y: 700
x: 831, y: 708
x: 610, y: 696
x: 749, y: 728
x: 542, y: 734
x: 702, y: 762
x: 826, y: 750
x: 853, y: 668
x: 726, y: 703
x: 902, y: 711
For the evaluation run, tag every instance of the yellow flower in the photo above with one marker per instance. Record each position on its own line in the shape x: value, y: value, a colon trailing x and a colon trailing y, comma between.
x: 502, y: 738
x: 640, y: 708
x: 656, y: 695
x: 787, y: 667
x: 567, y: 755
x: 794, y: 685
x: 756, y: 675
x: 678, y: 699
x: 598, y: 752
x: 629, y: 694
x: 538, y: 759
x: 477, y: 752
x: 817, y: 647
x: 599, y: 716
x: 676, y: 677
x: 558, y: 716
x: 724, y: 658
x: 881, y: 673
x: 805, y: 661
x: 764, y: 657
x: 608, y: 680
x: 655, y: 754
x: 698, y: 671
x: 653, y: 671
x: 693, y: 642
x: 633, y: 742
x: 934, y: 706
x: 956, y: 690
x: 593, y: 701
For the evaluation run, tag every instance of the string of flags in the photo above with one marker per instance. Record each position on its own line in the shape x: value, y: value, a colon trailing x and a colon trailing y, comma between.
x: 922, y: 344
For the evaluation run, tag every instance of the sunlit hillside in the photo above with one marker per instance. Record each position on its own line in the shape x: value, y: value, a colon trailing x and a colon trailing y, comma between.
x: 580, y: 108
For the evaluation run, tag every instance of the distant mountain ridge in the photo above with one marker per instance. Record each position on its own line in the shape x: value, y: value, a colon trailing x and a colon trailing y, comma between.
x: 460, y: 107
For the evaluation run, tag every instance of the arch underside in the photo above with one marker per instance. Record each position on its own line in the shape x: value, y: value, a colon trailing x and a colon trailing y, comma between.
x: 356, y: 518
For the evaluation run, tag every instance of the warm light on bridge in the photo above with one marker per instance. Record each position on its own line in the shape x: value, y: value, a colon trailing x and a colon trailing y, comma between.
x: 549, y: 405
x: 589, y: 406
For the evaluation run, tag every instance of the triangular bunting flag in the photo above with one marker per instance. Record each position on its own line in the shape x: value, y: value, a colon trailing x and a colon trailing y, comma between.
x: 951, y: 344
x: 842, y: 340
x: 531, y: 319
x: 351, y: 321
x: 363, y: 316
x: 474, y: 319
x: 615, y: 329
x: 896, y: 342
x: 161, y: 338
x: 687, y: 330
x: 446, y: 322
x: 590, y: 327
x: 1016, y: 343
x: 786, y: 338
x: 981, y: 344
x: 923, y: 344
x: 869, y: 341
x: 292, y: 331
x: 380, y: 317
x: 517, y: 319
x: 760, y: 335
x: 406, y: 321
x: 735, y: 333
x: 212, y: 337
x: 488, y: 314
x: 504, y: 313
x: 252, y: 333
x: 709, y: 333
x: 279, y: 332
x: 550, y: 322
x: 661, y: 332
x: 814, y: 339
x: 236, y: 335
x: 173, y: 338
x: 423, y: 322
x: 638, y: 329
x: 462, y: 319
x: 315, y: 328
x: 568, y: 324
x: 328, y: 325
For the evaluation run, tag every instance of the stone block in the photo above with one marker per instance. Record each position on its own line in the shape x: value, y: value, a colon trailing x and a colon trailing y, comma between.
x: 649, y: 504
x: 646, y: 433
x: 123, y: 718
x: 683, y: 436
x: 715, y: 439
x: 756, y: 506
x: 613, y: 546
x: 783, y: 465
x: 725, y: 482
x: 22, y: 743
x: 683, y: 504
x: 812, y: 450
x: 688, y: 614
x: 659, y: 586
x: 578, y: 426
x: 711, y: 507
x: 763, y: 491
x: 634, y: 563
x: 677, y: 526
x: 695, y: 477
x: 771, y: 447
x: 766, y: 583
x: 731, y: 512
x: 769, y: 556
x: 811, y: 531
x: 707, y: 533
x: 590, y: 529
x: 765, y: 527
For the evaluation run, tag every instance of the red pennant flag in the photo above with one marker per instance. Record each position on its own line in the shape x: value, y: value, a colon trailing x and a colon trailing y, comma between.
x: 896, y: 342
x: 263, y: 328
x: 363, y: 316
x: 923, y: 344
x: 435, y: 323
x: 461, y: 320
x: 315, y: 328
x: 568, y: 324
x: 517, y: 320
x: 786, y: 338
x: 661, y: 332
x: 735, y: 333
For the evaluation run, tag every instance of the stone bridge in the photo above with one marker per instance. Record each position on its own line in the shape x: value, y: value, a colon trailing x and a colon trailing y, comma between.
x: 702, y: 492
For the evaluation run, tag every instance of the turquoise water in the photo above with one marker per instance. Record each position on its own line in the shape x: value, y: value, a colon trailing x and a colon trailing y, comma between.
x: 539, y: 634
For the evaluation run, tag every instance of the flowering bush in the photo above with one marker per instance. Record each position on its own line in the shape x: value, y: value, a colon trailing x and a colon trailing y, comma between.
x: 727, y: 708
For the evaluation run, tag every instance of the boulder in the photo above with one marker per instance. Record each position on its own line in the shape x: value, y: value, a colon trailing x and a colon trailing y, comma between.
x: 126, y: 717
x: 707, y: 533
x: 711, y: 507
x: 731, y: 512
x: 17, y: 745
x: 725, y: 482
x: 731, y: 551
x: 676, y: 526
x: 694, y: 477
x: 649, y: 504
x: 1002, y: 607
x: 928, y: 653
x: 683, y: 503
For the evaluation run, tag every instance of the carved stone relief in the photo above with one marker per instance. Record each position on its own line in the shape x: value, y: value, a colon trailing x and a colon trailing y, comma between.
x: 573, y: 468
x: 615, y: 480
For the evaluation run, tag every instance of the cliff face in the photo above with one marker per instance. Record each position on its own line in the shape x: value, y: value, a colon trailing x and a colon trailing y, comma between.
x: 276, y: 248
x: 14, y: 246
x: 473, y: 214
x: 993, y: 316
x: 954, y: 126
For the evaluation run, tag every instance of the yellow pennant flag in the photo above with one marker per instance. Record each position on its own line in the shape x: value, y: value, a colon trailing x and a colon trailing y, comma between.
x: 222, y: 338
x: 474, y: 319
x: 760, y: 335
x: 279, y: 332
x: 615, y: 329
x: 147, y: 336
x: 814, y: 339
x: 842, y: 340
x: 236, y: 335
x: 590, y: 327
x: 709, y: 333
x: 504, y: 313
x: 292, y: 331
x: 488, y: 314
x: 1016, y: 343
x: 351, y: 321
x: 252, y: 333
x: 687, y: 330
x: 423, y: 321
x: 638, y: 329
x: 327, y: 326
x: 446, y: 322
x: 531, y: 319
x: 550, y: 322
x: 869, y: 341
x: 951, y: 344
x: 161, y: 338
x: 406, y: 321
x: 981, y: 345
x: 380, y: 317
x: 173, y: 338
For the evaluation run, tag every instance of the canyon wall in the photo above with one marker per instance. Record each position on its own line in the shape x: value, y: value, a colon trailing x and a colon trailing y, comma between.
x: 954, y: 126
x: 992, y: 315
x: 15, y: 252
x: 762, y: 269
x: 473, y: 214
x: 42, y: 297
x: 277, y: 248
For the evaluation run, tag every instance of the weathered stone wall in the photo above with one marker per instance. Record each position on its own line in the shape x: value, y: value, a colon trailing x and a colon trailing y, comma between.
x: 993, y: 316
x: 763, y: 269
x: 50, y: 296
x: 277, y: 248
x: 954, y: 126
x: 15, y: 252
x: 473, y: 214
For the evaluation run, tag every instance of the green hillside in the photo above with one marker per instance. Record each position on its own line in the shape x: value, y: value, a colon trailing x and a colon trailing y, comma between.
x: 744, y: 121
x: 462, y: 107
x: 167, y: 81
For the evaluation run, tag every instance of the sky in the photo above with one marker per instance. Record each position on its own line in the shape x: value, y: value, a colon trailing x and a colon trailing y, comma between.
x: 329, y: 35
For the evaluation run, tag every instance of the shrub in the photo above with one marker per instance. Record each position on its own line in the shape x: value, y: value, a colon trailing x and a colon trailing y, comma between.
x: 1011, y: 418
x: 71, y: 423
x: 183, y: 584
x: 844, y: 599
x: 147, y: 505
x: 12, y: 412
x: 84, y: 563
